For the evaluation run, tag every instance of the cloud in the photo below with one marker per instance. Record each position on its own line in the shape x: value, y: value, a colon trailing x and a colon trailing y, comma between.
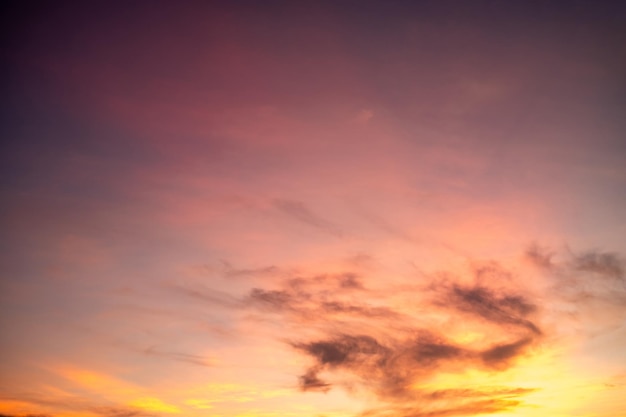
x: 273, y: 299
x: 390, y: 342
x: 480, y: 301
x: 306, y: 304
x: 429, y: 350
x: 392, y: 368
x: 539, y: 256
x: 232, y: 272
x: 364, y: 342
x: 384, y: 224
x: 473, y: 393
x: 77, y: 404
x: 501, y: 354
x: 603, y: 264
x: 585, y: 278
x: 310, y: 382
x: 349, y: 280
x: 343, y: 350
x: 455, y: 402
x: 321, y: 296
x: 470, y: 408
x: 208, y: 295
x: 121, y: 412
x: 608, y: 265
x: 300, y: 212
x: 340, y: 281
x: 26, y: 415
x: 384, y: 350
x: 178, y: 356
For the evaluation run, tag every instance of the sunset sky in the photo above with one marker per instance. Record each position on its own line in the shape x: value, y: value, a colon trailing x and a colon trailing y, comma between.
x: 313, y: 209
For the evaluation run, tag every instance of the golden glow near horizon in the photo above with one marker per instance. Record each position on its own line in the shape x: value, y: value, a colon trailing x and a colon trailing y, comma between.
x: 331, y: 209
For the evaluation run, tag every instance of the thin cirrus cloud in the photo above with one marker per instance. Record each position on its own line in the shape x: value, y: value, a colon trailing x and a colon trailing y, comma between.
x: 300, y: 212
x: 592, y: 274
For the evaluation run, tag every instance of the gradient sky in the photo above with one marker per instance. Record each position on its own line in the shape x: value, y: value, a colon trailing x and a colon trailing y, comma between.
x: 316, y: 209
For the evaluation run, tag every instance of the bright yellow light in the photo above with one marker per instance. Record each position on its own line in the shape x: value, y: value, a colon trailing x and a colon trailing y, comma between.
x: 199, y: 403
x: 154, y: 404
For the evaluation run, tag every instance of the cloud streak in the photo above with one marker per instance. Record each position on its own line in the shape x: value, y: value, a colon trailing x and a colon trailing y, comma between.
x: 302, y: 213
x: 579, y: 276
x: 178, y: 356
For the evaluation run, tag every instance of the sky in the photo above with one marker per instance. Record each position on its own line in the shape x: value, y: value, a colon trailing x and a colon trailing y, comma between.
x: 318, y: 209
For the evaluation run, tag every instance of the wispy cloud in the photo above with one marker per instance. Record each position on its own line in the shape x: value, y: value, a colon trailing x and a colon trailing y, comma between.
x: 302, y: 213
x: 178, y: 356
x: 579, y: 276
x: 232, y: 272
x: 466, y: 408
x: 26, y: 415
x: 603, y: 264
x: 75, y: 404
x: 121, y: 412
x: 483, y: 302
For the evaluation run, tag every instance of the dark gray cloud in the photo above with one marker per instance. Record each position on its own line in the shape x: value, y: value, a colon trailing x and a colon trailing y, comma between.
x: 505, y: 308
x: 320, y: 296
x: 604, y: 264
x: 502, y: 354
x: 344, y: 349
x: 311, y: 382
x: 309, y: 305
x: 391, y: 368
x: 429, y: 350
